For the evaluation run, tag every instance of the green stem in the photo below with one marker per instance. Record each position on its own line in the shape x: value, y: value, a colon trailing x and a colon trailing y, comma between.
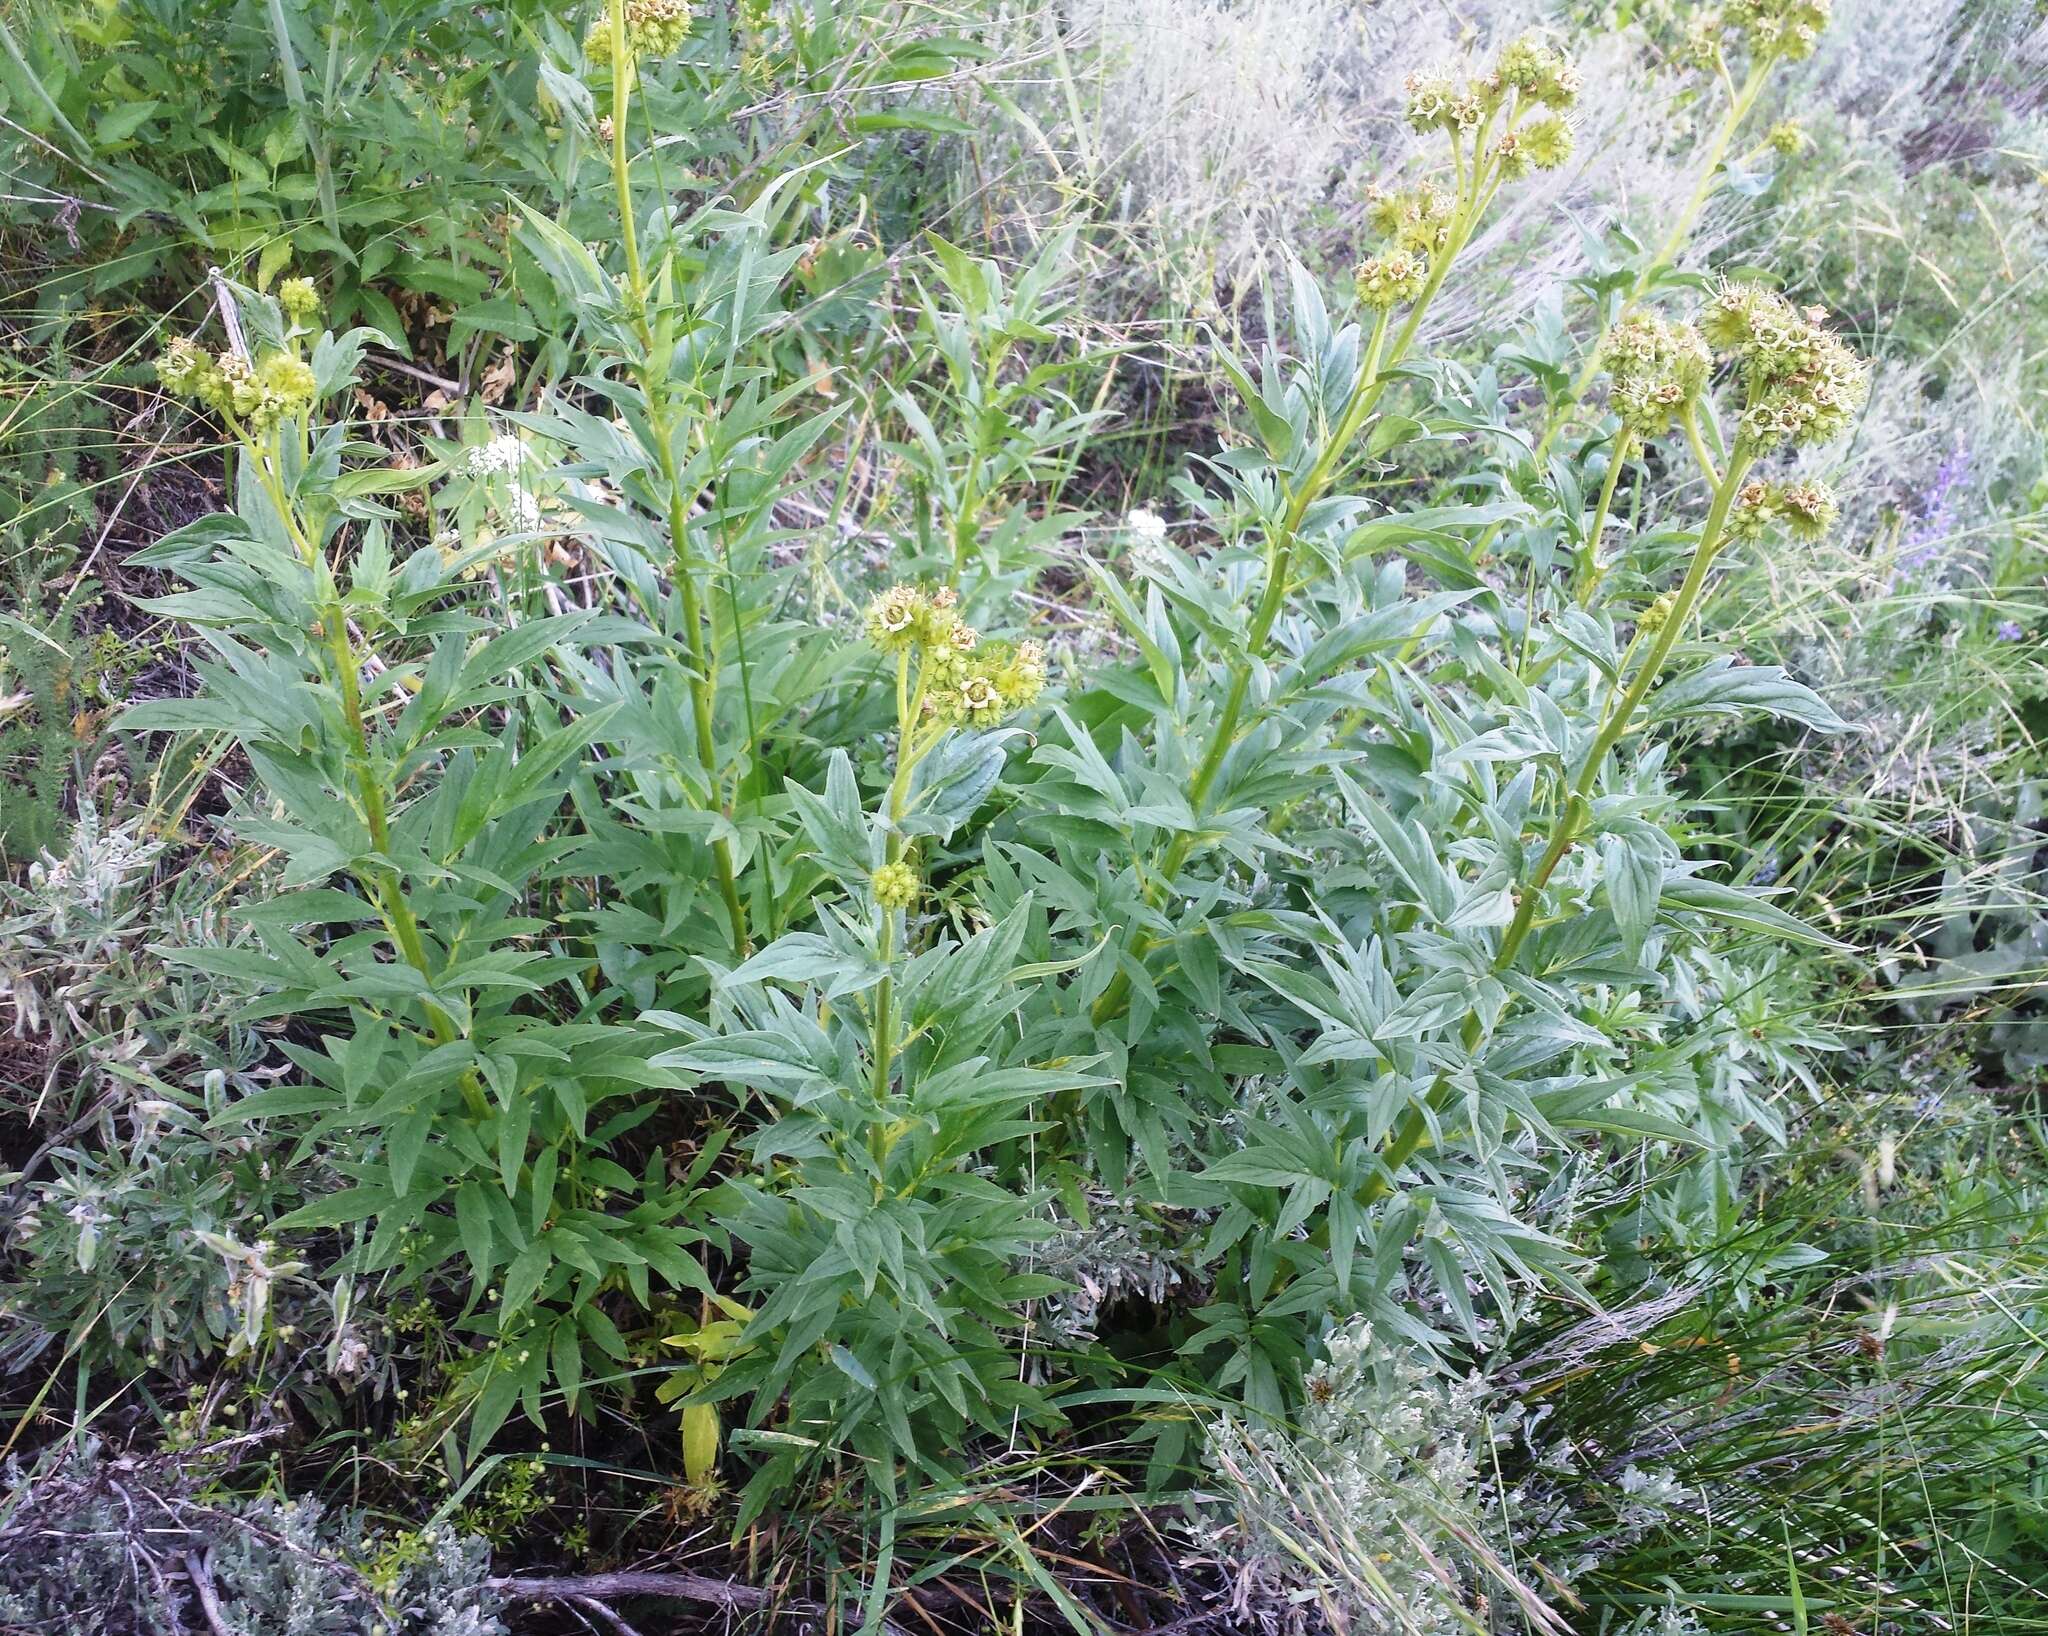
x: 1413, y: 1127
x: 1592, y: 570
x: 907, y: 755
x: 384, y: 885
x: 1280, y: 549
x: 699, y: 657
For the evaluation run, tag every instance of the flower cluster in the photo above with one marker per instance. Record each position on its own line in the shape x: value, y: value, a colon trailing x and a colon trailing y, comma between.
x: 654, y: 28
x: 1659, y: 370
x: 504, y: 455
x: 1416, y: 219
x: 1539, y: 73
x: 259, y: 395
x: 1786, y: 138
x: 1804, y: 509
x: 1530, y: 74
x: 1542, y: 144
x: 895, y: 885
x: 1802, y: 382
x: 1778, y: 28
x: 1436, y: 102
x: 1787, y: 29
x: 1391, y: 278
x: 300, y: 300
x: 965, y: 681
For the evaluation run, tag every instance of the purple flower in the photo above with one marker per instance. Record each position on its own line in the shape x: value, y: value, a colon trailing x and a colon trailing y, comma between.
x: 1935, y: 510
x: 2009, y: 630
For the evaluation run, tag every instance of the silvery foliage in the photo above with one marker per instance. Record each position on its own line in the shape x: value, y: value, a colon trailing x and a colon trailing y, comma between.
x: 110, y: 1544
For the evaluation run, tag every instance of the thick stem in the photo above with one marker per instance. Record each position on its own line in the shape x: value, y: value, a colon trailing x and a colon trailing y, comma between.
x: 1365, y: 396
x: 384, y: 886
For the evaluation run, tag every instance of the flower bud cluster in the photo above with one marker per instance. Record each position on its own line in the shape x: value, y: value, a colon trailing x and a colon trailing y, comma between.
x: 1802, y: 382
x: 1778, y: 28
x: 1786, y: 138
x: 300, y: 300
x: 1544, y: 143
x: 1416, y: 219
x: 895, y: 885
x: 1417, y: 222
x: 1659, y: 370
x: 258, y: 395
x: 1529, y: 73
x: 1787, y: 29
x: 1391, y: 279
x: 1805, y: 510
x: 1436, y: 102
x: 1539, y: 73
x: 966, y: 681
x: 654, y: 28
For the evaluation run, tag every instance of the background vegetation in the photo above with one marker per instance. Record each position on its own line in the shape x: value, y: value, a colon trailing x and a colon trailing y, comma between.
x: 860, y: 816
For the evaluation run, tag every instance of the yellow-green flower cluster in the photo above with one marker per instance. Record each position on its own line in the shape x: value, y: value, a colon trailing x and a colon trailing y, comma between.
x: 301, y: 302
x: 1786, y: 138
x: 1659, y: 369
x: 901, y: 618
x: 654, y: 28
x: 895, y: 885
x: 965, y: 681
x: 1543, y: 144
x: 1436, y: 102
x: 1527, y: 71
x: 971, y: 683
x: 1657, y: 615
x: 1802, y: 383
x: 1778, y: 28
x: 1767, y: 28
x: 258, y: 395
x: 1389, y: 279
x: 1539, y: 73
x: 1416, y: 219
x: 1805, y: 510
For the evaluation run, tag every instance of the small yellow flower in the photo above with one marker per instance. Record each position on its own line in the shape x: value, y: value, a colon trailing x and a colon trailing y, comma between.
x: 980, y: 700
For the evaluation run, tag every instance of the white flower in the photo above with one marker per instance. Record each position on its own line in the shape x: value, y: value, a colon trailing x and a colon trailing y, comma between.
x: 524, y: 512
x: 503, y: 454
x: 1148, y: 526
